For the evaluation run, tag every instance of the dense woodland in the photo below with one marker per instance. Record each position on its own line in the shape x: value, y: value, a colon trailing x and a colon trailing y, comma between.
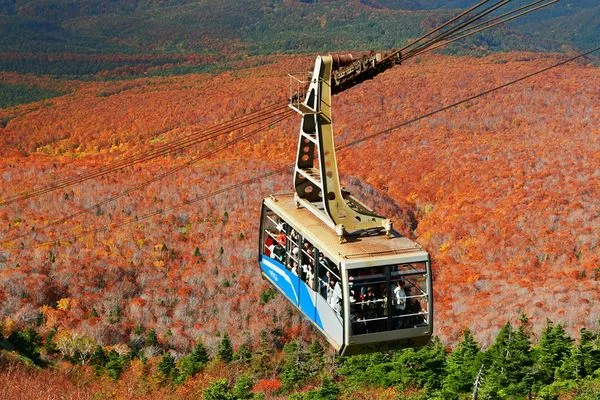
x: 101, y: 39
x: 501, y: 192
x: 273, y: 367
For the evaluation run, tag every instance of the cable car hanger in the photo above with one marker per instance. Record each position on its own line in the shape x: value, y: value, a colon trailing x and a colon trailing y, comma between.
x: 316, y: 178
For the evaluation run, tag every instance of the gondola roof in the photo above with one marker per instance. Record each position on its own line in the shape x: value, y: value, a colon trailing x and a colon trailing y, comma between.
x: 372, y: 247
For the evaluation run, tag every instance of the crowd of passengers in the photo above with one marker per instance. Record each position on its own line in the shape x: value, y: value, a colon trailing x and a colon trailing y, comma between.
x: 298, y: 256
x: 370, y: 308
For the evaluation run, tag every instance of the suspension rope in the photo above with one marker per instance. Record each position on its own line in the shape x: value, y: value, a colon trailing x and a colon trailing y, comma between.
x: 459, y: 26
x: 279, y: 118
x: 459, y: 36
x: 341, y: 148
x: 168, y: 148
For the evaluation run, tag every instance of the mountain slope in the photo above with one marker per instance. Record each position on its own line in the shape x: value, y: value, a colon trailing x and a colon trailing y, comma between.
x: 230, y: 28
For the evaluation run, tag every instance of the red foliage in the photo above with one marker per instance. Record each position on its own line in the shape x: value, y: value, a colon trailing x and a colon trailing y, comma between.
x: 267, y: 386
x: 500, y: 192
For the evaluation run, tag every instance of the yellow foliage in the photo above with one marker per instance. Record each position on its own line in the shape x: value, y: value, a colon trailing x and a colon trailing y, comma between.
x: 445, y: 246
x: 7, y: 327
x: 64, y: 304
x: 159, y: 263
x: 412, y: 197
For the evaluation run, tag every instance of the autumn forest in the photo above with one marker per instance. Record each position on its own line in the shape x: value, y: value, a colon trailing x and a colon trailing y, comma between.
x: 129, y: 210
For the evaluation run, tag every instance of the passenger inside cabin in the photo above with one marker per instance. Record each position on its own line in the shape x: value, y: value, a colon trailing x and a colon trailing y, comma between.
x: 309, y: 275
x: 400, y: 303
x: 413, y: 308
x: 383, y: 302
x: 281, y: 239
x: 334, y: 296
x: 268, y: 245
x: 279, y: 253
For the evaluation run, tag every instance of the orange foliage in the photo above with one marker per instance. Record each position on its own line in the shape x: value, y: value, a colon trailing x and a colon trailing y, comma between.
x: 267, y: 386
x: 501, y: 192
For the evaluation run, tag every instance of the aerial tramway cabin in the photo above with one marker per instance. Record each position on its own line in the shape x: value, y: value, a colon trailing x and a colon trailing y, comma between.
x: 361, y: 284
x: 347, y: 290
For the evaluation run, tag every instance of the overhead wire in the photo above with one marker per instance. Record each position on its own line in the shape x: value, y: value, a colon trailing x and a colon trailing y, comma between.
x: 192, y: 139
x: 515, y: 11
x: 168, y: 148
x: 458, y: 27
x: 341, y: 148
x: 437, y: 29
x: 456, y: 37
x: 281, y: 116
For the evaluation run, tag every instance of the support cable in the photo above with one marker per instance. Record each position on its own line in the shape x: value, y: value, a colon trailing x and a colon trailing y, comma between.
x: 454, y: 38
x: 171, y: 147
x: 279, y: 118
x: 458, y: 27
x: 431, y: 32
x: 341, y: 148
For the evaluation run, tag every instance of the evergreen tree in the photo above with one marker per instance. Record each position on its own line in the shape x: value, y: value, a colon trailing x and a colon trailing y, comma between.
x: 49, y: 345
x: 328, y: 391
x: 260, y: 365
x: 424, y: 368
x: 293, y: 371
x: 462, y: 365
x: 193, y: 363
x: 584, y: 358
x: 27, y: 342
x: 218, y: 390
x: 508, y: 364
x: 225, y: 351
x: 553, y: 348
x: 315, y: 358
x: 242, y: 388
x: 99, y: 359
x: 151, y: 338
x: 243, y: 354
x: 115, y: 364
x: 167, y: 368
x: 200, y: 355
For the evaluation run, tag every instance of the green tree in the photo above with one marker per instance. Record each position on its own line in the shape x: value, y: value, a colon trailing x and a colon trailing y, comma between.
x: 371, y: 369
x: 261, y: 365
x: 584, y: 359
x: 151, y: 338
x: 553, y: 348
x: 424, y: 368
x: 193, y: 363
x: 225, y: 351
x: 243, y: 387
x: 243, y: 354
x: 218, y: 390
x: 115, y: 364
x: 167, y: 368
x: 508, y: 364
x: 27, y: 342
x: 463, y: 364
x: 328, y: 391
x: 98, y: 359
x: 293, y: 372
x: 315, y: 358
x: 49, y: 342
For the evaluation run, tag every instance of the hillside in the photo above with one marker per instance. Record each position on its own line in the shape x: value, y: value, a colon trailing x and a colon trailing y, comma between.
x: 97, y: 39
x: 502, y: 192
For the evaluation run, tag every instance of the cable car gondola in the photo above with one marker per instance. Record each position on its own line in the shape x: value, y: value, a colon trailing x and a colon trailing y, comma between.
x: 361, y: 284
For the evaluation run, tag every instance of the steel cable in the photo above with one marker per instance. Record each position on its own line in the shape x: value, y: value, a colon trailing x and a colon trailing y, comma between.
x: 341, y: 148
